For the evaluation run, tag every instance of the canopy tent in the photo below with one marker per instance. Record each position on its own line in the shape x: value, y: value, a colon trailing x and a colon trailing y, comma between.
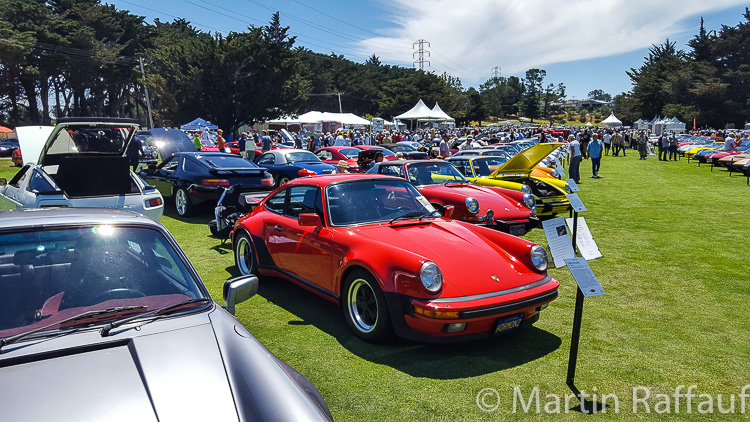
x: 322, y: 117
x: 418, y: 112
x: 589, y: 124
x: 438, y: 112
x: 199, y: 124
x: 611, y: 121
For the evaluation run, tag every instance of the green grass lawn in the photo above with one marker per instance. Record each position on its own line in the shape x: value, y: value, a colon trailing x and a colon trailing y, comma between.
x: 673, y: 238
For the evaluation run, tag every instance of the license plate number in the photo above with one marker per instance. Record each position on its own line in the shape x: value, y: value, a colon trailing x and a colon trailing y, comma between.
x: 518, y: 230
x: 509, y: 324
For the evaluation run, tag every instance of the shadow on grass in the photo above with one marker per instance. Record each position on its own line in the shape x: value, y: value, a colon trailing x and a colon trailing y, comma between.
x: 448, y: 361
x: 203, y: 213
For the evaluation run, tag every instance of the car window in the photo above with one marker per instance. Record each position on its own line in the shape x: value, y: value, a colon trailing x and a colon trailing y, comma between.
x: 171, y: 164
x: 296, y: 156
x: 276, y: 202
x: 363, y: 202
x: 191, y: 166
x: 433, y: 173
x: 267, y: 159
x: 20, y: 177
x: 226, y: 161
x: 324, y: 155
x: 90, y: 138
x: 349, y: 152
x: 39, y: 183
x: 397, y: 171
x: 304, y: 200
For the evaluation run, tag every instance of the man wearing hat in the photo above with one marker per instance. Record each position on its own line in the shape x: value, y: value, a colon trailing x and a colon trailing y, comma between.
x: 220, y: 140
x: 341, y: 168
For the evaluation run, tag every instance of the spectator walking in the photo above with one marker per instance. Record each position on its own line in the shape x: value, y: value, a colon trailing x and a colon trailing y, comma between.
x: 672, y: 145
x: 241, y: 143
x: 642, y: 142
x: 585, y: 139
x: 595, y: 148
x: 266, y: 142
x: 574, y: 147
x: 220, y: 140
x: 197, y: 141
x: 663, y: 145
x: 445, y: 150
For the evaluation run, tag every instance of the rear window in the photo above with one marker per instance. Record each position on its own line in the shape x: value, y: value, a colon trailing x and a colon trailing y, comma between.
x: 226, y: 161
x: 90, y: 138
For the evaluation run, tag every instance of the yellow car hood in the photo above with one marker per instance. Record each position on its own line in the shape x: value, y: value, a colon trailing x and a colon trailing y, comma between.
x: 525, y: 161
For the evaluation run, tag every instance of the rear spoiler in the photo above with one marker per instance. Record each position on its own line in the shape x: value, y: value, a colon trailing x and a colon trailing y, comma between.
x: 231, y: 171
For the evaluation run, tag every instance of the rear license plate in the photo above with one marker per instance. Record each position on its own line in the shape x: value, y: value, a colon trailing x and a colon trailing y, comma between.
x: 518, y: 230
x: 509, y: 324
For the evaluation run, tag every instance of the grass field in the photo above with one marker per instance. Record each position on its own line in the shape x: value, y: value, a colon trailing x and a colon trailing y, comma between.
x: 674, y: 270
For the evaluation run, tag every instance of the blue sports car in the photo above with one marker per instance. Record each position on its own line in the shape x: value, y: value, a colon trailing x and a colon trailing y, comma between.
x: 288, y: 164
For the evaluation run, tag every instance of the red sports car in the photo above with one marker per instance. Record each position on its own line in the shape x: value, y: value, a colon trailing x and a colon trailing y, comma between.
x: 441, y: 183
x: 375, y: 246
x: 332, y: 156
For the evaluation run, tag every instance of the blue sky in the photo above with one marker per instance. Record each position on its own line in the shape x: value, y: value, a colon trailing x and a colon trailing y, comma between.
x: 585, y: 44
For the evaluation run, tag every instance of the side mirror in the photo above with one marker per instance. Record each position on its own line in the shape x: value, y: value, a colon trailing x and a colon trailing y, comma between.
x: 309, y: 220
x: 238, y: 290
x: 449, y: 211
x: 3, y: 181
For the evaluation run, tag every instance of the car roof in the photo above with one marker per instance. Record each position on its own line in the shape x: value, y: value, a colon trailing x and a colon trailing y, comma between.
x: 60, y: 217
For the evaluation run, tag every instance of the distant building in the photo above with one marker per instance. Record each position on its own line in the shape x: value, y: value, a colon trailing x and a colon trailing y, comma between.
x: 587, y: 104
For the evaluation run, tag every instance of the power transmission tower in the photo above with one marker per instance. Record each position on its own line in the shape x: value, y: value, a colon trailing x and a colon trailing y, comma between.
x: 495, y: 72
x: 420, y: 53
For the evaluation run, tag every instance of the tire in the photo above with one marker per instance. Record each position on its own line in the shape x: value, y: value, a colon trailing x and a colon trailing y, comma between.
x: 182, y: 203
x: 244, y: 254
x: 214, y: 229
x: 364, y: 307
x: 281, y: 180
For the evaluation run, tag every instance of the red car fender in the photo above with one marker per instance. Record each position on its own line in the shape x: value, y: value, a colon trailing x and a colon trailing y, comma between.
x: 511, y: 245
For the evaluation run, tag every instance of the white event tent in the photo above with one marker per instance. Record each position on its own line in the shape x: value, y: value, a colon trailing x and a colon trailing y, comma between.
x: 421, y: 113
x: 611, y: 121
x: 322, y: 117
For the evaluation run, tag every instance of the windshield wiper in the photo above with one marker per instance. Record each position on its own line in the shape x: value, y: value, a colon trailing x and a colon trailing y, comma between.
x: 407, y: 216
x: 90, y: 314
x: 156, y: 312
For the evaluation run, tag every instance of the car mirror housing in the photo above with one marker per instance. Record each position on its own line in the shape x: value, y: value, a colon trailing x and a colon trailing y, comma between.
x: 238, y: 290
x: 309, y: 220
x: 449, y: 211
x: 3, y: 181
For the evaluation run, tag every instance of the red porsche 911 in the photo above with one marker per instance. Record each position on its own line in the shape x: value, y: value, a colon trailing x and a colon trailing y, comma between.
x: 375, y: 246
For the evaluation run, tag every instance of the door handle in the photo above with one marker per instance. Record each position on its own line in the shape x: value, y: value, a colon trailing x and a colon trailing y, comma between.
x: 278, y: 227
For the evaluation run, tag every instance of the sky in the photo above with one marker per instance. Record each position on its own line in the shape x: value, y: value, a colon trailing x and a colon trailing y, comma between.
x: 584, y: 44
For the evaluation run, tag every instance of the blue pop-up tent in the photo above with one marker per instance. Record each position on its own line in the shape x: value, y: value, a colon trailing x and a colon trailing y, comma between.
x: 199, y: 124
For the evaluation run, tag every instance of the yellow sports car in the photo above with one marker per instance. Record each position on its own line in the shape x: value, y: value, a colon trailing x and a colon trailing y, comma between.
x: 518, y: 173
x: 693, y: 151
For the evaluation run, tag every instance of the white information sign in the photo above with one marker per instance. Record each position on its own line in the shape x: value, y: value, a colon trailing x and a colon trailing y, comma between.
x: 584, y: 240
x: 378, y: 125
x: 558, y: 240
x: 561, y: 173
x: 573, y: 185
x: 575, y: 202
x: 318, y: 127
x: 584, y: 276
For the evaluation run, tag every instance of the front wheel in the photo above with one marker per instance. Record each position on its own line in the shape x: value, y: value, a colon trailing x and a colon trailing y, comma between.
x: 182, y: 203
x: 244, y: 254
x: 365, y: 310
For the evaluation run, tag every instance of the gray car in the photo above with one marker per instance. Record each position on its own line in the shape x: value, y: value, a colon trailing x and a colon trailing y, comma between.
x: 102, y: 317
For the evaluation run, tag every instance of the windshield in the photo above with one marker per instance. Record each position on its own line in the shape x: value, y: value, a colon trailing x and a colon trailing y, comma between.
x: 350, y: 152
x: 293, y: 157
x: 90, y: 138
x: 485, y: 166
x: 362, y: 202
x: 433, y: 173
x: 48, y: 276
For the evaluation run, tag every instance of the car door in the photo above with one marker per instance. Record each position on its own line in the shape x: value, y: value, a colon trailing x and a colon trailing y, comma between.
x: 161, y: 177
x: 311, y: 257
x: 275, y: 227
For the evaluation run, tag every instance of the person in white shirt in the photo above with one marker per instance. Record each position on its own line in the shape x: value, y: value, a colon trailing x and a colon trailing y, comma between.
x: 606, y: 140
x: 575, y: 158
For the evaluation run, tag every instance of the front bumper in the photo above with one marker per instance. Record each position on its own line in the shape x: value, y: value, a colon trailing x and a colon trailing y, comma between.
x: 481, y: 313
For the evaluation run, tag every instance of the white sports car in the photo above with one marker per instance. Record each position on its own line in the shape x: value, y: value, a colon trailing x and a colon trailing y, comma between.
x: 82, y: 162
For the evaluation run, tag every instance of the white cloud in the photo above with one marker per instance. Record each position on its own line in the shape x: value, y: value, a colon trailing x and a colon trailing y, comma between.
x: 469, y: 37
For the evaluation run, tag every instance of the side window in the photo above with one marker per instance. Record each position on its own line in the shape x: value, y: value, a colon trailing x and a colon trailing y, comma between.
x: 266, y: 159
x: 304, y: 200
x: 170, y: 165
x: 191, y: 166
x: 325, y: 155
x: 392, y: 171
x: 18, y: 179
x: 39, y: 184
x: 276, y: 202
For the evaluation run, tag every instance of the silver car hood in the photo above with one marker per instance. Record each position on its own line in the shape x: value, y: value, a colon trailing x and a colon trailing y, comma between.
x: 172, y: 375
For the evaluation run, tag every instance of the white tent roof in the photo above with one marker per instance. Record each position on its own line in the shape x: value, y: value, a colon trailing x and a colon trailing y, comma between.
x: 418, y: 112
x: 320, y: 116
x: 589, y: 124
x: 611, y: 121
x: 438, y: 112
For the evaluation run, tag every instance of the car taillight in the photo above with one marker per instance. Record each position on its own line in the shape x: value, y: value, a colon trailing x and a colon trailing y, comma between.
x: 306, y: 172
x: 215, y: 182
x: 268, y: 181
x: 154, y: 202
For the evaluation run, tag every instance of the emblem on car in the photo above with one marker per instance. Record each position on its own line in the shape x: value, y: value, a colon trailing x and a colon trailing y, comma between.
x: 494, y: 277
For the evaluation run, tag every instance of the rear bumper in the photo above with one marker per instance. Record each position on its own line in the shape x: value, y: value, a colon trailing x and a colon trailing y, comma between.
x: 480, y: 321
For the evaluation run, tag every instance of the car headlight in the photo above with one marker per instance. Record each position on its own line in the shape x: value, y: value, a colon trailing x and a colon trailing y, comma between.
x: 431, y: 276
x: 529, y: 200
x: 526, y: 189
x: 567, y: 188
x: 472, y: 205
x: 538, y: 257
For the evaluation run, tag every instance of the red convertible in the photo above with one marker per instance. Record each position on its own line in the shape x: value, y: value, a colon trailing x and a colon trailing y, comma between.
x: 376, y: 247
x: 441, y: 183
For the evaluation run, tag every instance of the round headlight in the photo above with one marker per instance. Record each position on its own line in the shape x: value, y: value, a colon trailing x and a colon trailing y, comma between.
x: 526, y: 189
x: 431, y: 276
x: 529, y: 201
x: 538, y: 257
x: 472, y: 204
x: 568, y: 189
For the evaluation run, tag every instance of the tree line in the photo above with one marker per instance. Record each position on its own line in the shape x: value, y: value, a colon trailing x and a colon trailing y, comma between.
x: 83, y: 58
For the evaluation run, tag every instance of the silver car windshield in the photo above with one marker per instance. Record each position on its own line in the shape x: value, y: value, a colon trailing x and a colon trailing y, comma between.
x: 47, y: 276
x: 365, y: 202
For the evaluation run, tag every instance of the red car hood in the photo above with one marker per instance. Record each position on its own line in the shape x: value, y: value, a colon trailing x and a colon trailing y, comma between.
x: 467, y: 260
x: 454, y: 194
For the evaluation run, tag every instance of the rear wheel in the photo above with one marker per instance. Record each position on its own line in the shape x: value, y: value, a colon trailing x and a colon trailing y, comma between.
x: 281, y: 180
x: 182, y: 203
x: 244, y: 254
x: 364, y: 307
